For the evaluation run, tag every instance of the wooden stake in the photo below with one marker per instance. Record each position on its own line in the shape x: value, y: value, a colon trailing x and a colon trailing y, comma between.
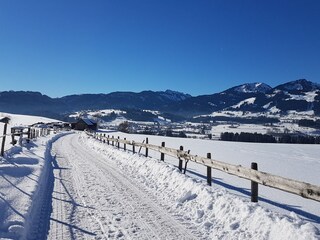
x: 209, y: 177
x: 29, y: 133
x: 180, y: 160
x: 147, y: 141
x: 254, y: 185
x: 186, y: 164
x: 163, y: 144
x: 4, y: 138
x: 133, y: 147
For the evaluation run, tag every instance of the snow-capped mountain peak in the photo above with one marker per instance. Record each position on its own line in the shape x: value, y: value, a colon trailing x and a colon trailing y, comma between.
x: 252, y: 88
x: 301, y: 85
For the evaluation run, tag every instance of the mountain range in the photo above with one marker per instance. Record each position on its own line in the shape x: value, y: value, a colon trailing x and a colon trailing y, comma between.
x: 300, y: 96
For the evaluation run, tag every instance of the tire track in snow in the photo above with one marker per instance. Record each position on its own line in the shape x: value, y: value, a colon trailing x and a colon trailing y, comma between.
x: 117, y: 207
x: 67, y: 212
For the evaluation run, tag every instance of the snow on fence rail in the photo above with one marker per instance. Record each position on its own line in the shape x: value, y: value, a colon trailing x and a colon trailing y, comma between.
x: 256, y: 177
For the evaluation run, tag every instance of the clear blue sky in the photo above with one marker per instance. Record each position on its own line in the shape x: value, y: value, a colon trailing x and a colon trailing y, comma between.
x: 65, y: 47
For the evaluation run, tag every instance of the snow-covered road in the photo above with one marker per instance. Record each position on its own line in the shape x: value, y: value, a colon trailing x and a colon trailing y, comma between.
x: 94, y: 199
x: 72, y: 186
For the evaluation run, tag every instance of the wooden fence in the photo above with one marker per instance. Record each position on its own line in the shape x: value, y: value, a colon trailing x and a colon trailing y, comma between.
x: 256, y: 177
x: 31, y: 133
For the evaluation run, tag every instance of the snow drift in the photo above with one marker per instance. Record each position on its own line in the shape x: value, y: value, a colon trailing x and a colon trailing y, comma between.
x: 212, y: 211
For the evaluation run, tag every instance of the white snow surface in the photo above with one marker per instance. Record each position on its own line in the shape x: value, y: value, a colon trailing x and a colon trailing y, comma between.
x: 308, y: 96
x: 24, y: 120
x: 253, y: 87
x: 212, y: 211
x: 102, y: 113
x: 152, y: 111
x: 295, y: 161
x: 246, y: 102
x: 71, y: 186
x: 24, y: 180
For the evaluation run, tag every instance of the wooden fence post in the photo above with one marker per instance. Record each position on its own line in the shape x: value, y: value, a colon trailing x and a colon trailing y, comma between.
x: 147, y: 141
x: 125, y: 145
x: 118, y: 142
x: 112, y: 140
x: 29, y: 133
x: 186, y: 164
x: 163, y: 144
x: 13, y: 142
x: 141, y: 146
x: 209, y: 177
x: 254, y: 185
x: 4, y: 138
x: 180, y: 160
x: 108, y: 140
x: 133, y: 147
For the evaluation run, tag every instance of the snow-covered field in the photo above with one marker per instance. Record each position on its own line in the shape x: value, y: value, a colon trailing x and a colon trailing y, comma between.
x: 295, y: 161
x: 256, y: 128
x: 17, y: 120
x: 71, y: 186
x: 212, y: 212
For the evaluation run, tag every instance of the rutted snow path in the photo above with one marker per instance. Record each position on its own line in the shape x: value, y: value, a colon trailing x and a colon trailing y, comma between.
x: 93, y: 199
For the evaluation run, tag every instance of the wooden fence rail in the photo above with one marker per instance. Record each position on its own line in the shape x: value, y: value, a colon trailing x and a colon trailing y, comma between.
x: 256, y: 177
x: 31, y: 134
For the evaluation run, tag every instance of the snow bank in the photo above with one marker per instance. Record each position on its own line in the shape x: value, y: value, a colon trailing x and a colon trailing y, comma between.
x: 214, y: 212
x: 23, y: 179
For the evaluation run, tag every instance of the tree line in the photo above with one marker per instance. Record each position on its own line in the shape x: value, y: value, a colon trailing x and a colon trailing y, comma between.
x: 309, y: 123
x: 266, y: 138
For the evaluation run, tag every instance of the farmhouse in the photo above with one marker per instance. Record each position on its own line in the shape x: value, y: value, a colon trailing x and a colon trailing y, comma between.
x: 85, y: 124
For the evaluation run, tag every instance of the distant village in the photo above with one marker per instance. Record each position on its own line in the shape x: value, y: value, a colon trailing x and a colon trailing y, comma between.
x: 161, y: 127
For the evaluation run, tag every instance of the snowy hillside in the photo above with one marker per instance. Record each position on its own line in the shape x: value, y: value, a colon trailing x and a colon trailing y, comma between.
x: 252, y: 88
x: 299, y: 85
x: 25, y: 120
x: 299, y: 95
